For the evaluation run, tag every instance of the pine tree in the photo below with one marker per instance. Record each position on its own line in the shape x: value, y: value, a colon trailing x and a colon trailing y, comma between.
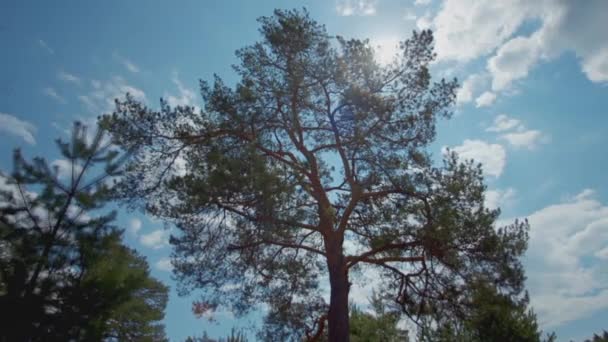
x: 64, y: 273
x: 316, y: 148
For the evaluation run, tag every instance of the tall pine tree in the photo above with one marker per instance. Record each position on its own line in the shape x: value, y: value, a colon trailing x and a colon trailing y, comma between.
x: 313, y: 165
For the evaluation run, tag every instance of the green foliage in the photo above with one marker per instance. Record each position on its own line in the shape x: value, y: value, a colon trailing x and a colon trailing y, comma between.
x: 63, y: 270
x: 490, y: 316
x: 599, y: 338
x: 138, y: 301
x: 381, y: 325
x: 316, y: 146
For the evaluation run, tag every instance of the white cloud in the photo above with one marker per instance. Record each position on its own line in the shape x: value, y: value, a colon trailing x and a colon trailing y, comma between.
x: 503, y: 123
x: 498, y: 198
x: 486, y: 99
x: 596, y: 66
x: 513, y: 60
x: 52, y: 93
x: 185, y: 96
x: 492, y: 156
x: 64, y: 168
x: 421, y: 2
x: 164, y: 264
x: 101, y: 97
x: 469, y: 88
x: 565, y: 260
x: 566, y: 26
x: 468, y: 29
x: 129, y: 65
x: 134, y: 226
x: 67, y: 77
x: 15, y: 126
x: 527, y: 138
x: 46, y: 46
x: 156, y: 239
x: 410, y: 15
x: 516, y: 134
x: 356, y: 7
x: 424, y: 22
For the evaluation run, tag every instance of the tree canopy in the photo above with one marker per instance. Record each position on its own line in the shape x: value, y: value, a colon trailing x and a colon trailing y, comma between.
x: 64, y: 273
x: 315, y: 164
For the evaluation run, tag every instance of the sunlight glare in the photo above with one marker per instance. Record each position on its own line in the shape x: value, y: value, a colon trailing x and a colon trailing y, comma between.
x: 385, y: 48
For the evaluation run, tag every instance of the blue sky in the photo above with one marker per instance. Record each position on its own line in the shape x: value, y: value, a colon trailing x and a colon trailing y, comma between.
x: 532, y: 108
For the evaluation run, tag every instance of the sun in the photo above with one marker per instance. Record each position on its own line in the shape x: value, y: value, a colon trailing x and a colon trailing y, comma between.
x: 385, y: 48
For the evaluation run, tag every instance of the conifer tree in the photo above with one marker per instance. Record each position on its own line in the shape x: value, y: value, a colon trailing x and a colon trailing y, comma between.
x: 64, y: 273
x: 313, y: 165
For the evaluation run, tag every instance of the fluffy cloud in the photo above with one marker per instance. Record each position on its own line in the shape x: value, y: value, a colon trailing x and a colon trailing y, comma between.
x: 516, y: 134
x: 164, y: 264
x: 492, y: 156
x: 486, y: 99
x: 421, y: 2
x: 596, y: 66
x: 469, y: 88
x: 566, y: 26
x: 527, y: 138
x: 467, y: 29
x: 503, y: 123
x: 15, y: 126
x: 101, y: 97
x: 69, y: 78
x: 513, y: 61
x: 564, y: 262
x: 356, y: 7
x: 134, y: 226
x: 156, y: 239
x: 498, y: 198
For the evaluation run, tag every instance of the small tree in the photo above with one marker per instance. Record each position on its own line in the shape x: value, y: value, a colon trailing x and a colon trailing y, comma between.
x: 599, y: 338
x: 381, y: 325
x: 313, y: 165
x: 235, y: 336
x: 490, y: 316
x: 121, y: 277
x: 63, y: 270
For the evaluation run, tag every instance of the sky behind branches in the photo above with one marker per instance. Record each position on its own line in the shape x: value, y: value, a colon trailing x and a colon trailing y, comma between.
x: 532, y: 108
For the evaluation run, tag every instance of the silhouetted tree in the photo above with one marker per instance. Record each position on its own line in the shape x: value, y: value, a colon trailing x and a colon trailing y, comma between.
x: 599, y: 338
x: 312, y: 165
x: 235, y: 336
x: 64, y: 274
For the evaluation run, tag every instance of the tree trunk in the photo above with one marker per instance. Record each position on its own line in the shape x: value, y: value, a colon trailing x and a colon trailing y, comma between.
x: 337, y: 318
